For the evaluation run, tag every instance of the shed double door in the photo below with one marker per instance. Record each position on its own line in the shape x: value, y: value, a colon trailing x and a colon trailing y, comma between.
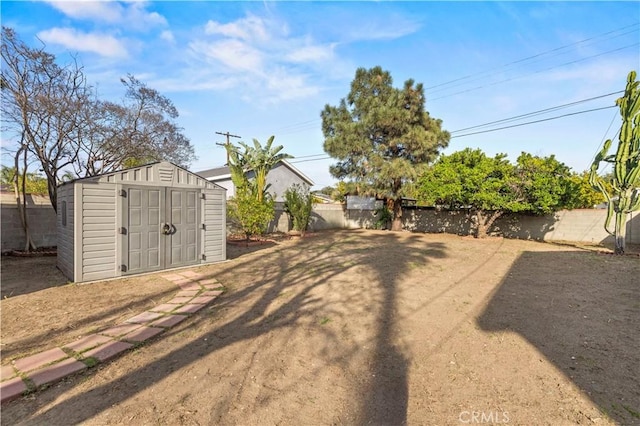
x: 162, y: 229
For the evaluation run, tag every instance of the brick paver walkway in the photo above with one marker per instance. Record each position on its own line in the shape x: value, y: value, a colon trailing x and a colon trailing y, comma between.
x: 26, y: 375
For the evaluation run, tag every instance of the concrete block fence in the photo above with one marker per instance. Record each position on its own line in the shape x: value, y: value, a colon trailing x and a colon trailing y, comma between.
x: 582, y: 225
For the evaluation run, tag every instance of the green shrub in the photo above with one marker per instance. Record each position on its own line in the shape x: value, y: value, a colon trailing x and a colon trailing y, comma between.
x: 249, y: 214
x: 298, y: 205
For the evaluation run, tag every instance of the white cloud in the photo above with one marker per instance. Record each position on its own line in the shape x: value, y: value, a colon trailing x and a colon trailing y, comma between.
x: 251, y: 28
x: 131, y: 14
x: 311, y: 54
x: 380, y: 28
x: 232, y: 54
x: 262, y: 59
x: 102, y: 44
x: 87, y: 9
x: 167, y: 35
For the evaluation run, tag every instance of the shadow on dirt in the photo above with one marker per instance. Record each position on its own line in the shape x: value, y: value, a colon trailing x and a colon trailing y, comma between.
x: 592, y: 336
x: 259, y: 310
x: 24, y: 275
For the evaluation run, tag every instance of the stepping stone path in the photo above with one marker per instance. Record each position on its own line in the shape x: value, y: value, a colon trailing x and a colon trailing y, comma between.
x: 26, y: 375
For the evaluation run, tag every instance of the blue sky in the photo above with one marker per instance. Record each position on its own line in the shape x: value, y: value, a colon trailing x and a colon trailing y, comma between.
x: 257, y: 69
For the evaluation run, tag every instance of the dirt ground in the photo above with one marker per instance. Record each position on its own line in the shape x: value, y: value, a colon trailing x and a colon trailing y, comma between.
x: 351, y: 327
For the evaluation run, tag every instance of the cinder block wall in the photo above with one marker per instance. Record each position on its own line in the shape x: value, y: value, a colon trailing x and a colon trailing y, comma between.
x: 42, y: 225
x: 581, y: 225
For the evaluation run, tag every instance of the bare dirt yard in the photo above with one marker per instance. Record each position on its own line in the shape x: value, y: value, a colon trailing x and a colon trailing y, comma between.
x: 350, y: 327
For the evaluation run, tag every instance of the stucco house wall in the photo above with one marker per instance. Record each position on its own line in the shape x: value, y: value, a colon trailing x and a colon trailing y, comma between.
x: 281, y: 177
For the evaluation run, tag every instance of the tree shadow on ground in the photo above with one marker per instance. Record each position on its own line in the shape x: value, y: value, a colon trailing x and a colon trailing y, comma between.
x: 24, y: 275
x: 259, y: 310
x: 589, y: 333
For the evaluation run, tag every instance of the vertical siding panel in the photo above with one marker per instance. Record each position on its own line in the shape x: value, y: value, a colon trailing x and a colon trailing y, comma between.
x: 214, y: 219
x: 65, y: 233
x: 102, y: 204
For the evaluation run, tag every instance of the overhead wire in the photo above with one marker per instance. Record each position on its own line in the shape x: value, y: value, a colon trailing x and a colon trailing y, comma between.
x: 535, y: 72
x: 311, y: 124
x: 538, y: 55
x: 319, y: 157
x: 538, y: 112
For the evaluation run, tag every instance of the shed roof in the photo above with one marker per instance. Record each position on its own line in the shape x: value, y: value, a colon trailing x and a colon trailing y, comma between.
x: 161, y: 173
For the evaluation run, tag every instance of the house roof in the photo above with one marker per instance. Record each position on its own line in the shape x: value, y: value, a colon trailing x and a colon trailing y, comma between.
x: 221, y: 173
x: 218, y: 172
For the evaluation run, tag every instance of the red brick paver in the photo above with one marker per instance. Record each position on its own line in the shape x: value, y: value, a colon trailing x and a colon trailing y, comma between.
x: 40, y: 360
x: 144, y: 317
x: 56, y: 371
x: 120, y: 330
x: 88, y: 342
x: 12, y: 389
x: 168, y: 321
x: 189, y: 309
x: 142, y: 334
x: 190, y: 286
x: 187, y: 293
x: 54, y: 364
x: 203, y: 300
x: 165, y: 307
x: 110, y: 350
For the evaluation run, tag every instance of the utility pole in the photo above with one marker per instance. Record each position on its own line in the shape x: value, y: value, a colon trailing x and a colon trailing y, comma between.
x: 226, y: 145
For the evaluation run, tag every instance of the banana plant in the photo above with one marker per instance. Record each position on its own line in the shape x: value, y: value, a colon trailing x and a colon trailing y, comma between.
x: 626, y: 162
x: 261, y: 160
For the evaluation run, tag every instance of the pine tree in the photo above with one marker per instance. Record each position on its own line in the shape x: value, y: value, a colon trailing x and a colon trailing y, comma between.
x: 382, y: 137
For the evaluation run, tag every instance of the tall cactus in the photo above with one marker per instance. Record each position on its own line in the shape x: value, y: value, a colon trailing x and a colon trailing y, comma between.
x: 626, y: 161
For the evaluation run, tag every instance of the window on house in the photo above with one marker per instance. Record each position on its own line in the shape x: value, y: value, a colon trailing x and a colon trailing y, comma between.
x: 64, y: 213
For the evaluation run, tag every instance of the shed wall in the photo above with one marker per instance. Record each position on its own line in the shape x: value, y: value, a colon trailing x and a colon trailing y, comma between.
x: 90, y: 247
x: 214, y: 218
x: 98, y: 235
x: 65, y: 223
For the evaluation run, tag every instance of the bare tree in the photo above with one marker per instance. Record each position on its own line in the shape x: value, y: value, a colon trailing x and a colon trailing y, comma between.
x: 43, y: 102
x: 64, y: 126
x: 140, y: 130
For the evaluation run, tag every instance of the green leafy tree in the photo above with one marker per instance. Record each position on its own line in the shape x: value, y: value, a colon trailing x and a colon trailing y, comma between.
x: 252, y: 207
x: 581, y: 194
x: 382, y: 137
x: 490, y: 187
x: 472, y: 181
x: 543, y: 183
x: 35, y: 184
x: 625, y: 184
x: 298, y: 203
x: 250, y: 215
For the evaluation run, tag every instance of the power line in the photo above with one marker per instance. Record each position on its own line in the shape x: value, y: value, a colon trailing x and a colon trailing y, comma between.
x: 533, y: 56
x: 535, y: 72
x: 324, y: 157
x: 533, y: 122
x: 539, y: 112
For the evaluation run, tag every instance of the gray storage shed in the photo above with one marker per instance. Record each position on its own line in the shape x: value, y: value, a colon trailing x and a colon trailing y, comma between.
x: 143, y: 219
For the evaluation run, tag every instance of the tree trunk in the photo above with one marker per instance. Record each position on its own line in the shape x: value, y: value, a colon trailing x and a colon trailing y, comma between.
x: 620, y: 231
x: 396, y: 224
x: 21, y: 199
x: 484, y: 222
